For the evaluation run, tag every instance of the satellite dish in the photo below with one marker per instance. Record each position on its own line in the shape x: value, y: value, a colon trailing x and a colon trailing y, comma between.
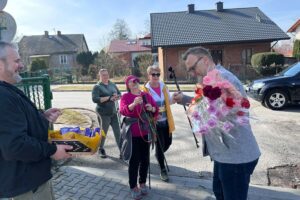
x: 2, y: 4
x: 8, y: 27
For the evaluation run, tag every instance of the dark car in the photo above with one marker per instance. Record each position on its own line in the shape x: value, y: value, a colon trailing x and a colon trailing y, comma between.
x: 277, y: 91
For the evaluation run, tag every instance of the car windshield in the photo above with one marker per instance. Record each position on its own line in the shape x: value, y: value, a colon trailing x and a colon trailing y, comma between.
x: 291, y: 71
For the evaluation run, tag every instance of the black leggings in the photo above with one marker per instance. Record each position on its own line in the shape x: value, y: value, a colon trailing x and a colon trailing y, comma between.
x: 139, y: 161
x: 163, y: 142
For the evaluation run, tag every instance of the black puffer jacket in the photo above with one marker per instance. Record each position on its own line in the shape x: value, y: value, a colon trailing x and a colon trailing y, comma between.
x: 25, y: 153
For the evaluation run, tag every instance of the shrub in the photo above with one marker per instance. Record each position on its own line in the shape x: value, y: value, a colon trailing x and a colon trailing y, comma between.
x: 267, y: 63
x: 136, y: 72
x: 296, y: 49
x: 37, y: 65
x: 93, y: 71
x: 267, y: 59
x: 143, y: 61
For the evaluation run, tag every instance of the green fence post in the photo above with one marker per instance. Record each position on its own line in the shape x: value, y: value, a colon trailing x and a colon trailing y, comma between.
x: 47, y: 92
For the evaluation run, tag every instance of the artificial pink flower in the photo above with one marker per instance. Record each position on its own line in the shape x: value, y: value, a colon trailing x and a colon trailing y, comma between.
x: 219, y: 114
x: 196, y: 115
x: 207, y: 80
x: 230, y: 102
x: 224, y: 84
x: 212, y: 109
x: 203, y: 130
x: 212, y: 122
x: 245, y: 103
x: 240, y: 113
x: 242, y: 120
x: 214, y: 74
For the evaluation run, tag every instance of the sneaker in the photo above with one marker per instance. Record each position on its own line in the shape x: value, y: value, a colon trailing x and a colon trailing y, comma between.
x: 144, y: 189
x: 164, y: 175
x: 102, y: 153
x: 136, y: 193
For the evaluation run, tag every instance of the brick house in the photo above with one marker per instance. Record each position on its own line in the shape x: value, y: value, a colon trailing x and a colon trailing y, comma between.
x: 232, y: 36
x: 128, y: 50
x: 59, y: 51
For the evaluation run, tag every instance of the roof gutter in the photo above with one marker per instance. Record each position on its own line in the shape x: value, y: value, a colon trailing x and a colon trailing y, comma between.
x: 222, y: 42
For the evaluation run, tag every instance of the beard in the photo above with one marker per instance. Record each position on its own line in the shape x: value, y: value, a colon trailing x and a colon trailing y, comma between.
x: 17, y: 78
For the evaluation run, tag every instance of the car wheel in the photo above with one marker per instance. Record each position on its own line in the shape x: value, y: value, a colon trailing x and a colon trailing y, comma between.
x: 276, y: 99
x: 263, y: 103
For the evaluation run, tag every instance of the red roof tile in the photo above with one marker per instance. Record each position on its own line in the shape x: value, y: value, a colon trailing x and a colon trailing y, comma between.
x: 294, y: 27
x: 119, y: 46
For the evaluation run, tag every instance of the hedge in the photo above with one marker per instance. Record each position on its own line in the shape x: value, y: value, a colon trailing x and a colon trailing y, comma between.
x: 296, y: 50
x: 267, y: 59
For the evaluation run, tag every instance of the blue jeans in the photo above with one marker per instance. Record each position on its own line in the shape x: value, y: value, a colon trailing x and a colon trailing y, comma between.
x: 231, y: 181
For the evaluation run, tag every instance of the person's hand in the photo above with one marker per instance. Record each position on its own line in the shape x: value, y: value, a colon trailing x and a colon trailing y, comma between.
x: 115, y: 97
x: 149, y: 107
x: 52, y: 114
x: 138, y: 100
x: 159, y: 116
x: 177, y: 97
x: 61, y: 152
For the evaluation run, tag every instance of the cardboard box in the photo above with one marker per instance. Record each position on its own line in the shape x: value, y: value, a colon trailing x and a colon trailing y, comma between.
x: 82, y: 145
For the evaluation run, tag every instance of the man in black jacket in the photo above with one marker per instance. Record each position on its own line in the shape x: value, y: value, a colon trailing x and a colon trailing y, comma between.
x: 25, y: 154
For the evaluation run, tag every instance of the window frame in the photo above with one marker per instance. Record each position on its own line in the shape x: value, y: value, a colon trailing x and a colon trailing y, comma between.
x: 63, y: 59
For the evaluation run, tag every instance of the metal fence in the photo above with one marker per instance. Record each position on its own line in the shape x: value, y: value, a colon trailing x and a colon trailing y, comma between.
x: 38, y: 91
x: 59, y: 75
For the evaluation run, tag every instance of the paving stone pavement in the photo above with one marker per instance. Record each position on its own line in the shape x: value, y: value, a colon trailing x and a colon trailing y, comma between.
x: 84, y: 183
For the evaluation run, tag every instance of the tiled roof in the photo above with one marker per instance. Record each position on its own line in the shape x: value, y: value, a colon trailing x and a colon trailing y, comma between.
x: 148, y: 36
x: 119, y: 46
x: 51, y: 44
x: 213, y: 27
x: 294, y: 27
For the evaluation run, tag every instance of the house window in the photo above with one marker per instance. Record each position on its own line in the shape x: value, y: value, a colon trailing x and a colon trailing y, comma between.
x: 63, y: 59
x: 246, y: 56
x: 146, y: 42
x: 155, y: 58
x: 217, y: 56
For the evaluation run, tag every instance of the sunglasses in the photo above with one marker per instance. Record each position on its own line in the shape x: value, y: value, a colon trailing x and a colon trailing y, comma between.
x: 155, y: 74
x: 134, y: 81
x: 193, y: 67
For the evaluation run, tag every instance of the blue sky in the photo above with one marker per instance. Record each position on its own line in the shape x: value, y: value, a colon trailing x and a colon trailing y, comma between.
x: 95, y: 18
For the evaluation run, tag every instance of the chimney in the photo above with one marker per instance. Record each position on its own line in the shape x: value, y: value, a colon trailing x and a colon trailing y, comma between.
x: 191, y: 8
x: 59, y: 33
x: 46, y: 33
x: 258, y: 18
x: 219, y: 6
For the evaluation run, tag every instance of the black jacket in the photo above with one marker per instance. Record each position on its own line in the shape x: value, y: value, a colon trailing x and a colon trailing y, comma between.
x: 25, y: 153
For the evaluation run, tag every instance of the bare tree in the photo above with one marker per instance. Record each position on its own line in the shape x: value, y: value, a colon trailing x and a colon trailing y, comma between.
x: 114, y: 65
x: 147, y: 28
x: 120, y: 30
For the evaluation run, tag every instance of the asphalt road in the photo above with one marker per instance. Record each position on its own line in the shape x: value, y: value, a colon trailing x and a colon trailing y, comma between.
x: 277, y: 133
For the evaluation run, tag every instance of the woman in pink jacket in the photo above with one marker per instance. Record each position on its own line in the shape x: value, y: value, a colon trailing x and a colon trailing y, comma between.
x: 139, y: 107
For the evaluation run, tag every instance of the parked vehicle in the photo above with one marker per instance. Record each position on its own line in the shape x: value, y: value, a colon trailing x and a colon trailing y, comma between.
x: 277, y: 91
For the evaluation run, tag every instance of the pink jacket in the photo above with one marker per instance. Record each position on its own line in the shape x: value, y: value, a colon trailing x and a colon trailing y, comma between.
x: 141, y: 127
